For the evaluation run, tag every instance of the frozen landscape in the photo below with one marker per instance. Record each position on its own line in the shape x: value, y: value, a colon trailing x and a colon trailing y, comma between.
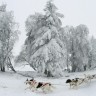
x: 12, y: 84
x: 52, y: 41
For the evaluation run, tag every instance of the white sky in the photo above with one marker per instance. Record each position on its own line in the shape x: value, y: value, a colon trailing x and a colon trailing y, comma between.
x: 75, y: 11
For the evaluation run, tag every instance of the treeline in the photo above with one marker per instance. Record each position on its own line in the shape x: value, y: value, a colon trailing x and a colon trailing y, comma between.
x: 51, y: 48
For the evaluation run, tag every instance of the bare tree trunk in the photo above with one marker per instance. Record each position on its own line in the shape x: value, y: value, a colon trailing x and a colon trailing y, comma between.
x: 74, y: 68
x: 49, y: 74
x: 67, y: 63
x: 29, y: 64
x: 10, y: 65
x: 45, y: 72
x: 73, y: 59
x: 2, y: 67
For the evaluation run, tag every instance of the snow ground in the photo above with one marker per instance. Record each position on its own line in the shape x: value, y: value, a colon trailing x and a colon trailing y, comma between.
x: 12, y: 84
x: 24, y: 68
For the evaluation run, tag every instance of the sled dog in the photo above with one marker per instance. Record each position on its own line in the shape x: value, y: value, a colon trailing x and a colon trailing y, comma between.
x: 90, y: 77
x: 74, y: 83
x: 46, y: 87
x: 33, y: 84
x: 30, y: 83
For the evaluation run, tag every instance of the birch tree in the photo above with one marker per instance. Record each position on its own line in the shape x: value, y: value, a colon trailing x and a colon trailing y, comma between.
x: 8, y: 35
x: 79, y: 48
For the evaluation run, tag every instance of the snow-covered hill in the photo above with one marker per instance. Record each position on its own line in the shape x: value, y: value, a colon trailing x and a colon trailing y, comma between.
x: 12, y: 84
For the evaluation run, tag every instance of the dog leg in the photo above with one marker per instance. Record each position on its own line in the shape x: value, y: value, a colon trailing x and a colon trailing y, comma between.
x: 70, y: 86
x: 27, y: 88
x: 76, y: 86
x: 48, y: 88
x: 43, y: 90
x: 33, y: 89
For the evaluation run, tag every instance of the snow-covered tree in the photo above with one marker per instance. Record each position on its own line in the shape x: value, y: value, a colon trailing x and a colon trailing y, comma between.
x: 8, y: 35
x: 79, y: 48
x: 66, y: 38
x: 92, y: 55
x: 47, y: 51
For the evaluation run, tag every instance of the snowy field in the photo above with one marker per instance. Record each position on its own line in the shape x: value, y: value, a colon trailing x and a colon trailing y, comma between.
x: 12, y: 84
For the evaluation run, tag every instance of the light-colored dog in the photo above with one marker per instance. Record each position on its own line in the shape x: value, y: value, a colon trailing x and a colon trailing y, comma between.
x: 30, y: 83
x: 90, y: 77
x: 74, y: 83
x: 33, y: 84
x: 46, y: 87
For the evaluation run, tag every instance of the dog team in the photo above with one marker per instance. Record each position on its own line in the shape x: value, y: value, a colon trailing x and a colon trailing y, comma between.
x: 47, y: 87
x: 74, y: 83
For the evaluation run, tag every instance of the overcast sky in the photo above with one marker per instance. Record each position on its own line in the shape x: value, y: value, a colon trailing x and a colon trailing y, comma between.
x: 75, y: 12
